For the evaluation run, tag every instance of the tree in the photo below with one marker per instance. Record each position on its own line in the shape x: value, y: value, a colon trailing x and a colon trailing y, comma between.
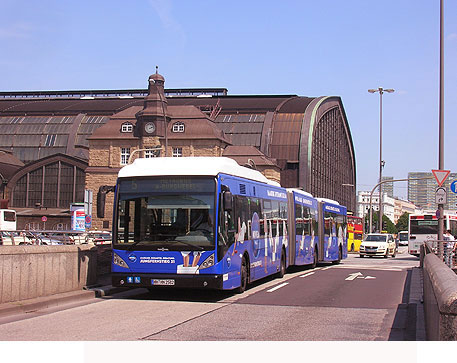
x: 387, y: 224
x: 402, y: 223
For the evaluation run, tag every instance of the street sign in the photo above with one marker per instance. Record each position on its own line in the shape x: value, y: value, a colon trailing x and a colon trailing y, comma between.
x: 88, y: 221
x: 440, y: 195
x: 454, y: 186
x: 441, y: 176
x: 44, y: 219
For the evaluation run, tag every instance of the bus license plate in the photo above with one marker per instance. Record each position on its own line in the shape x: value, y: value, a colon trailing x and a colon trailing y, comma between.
x: 163, y: 282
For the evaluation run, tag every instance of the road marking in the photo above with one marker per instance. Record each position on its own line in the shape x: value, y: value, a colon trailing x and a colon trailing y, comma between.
x: 308, y: 274
x: 278, y: 287
x: 371, y: 267
x: 358, y: 275
x: 353, y: 276
x: 326, y: 268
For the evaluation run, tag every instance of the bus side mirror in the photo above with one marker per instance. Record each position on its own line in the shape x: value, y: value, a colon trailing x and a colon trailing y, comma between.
x: 101, y: 197
x: 228, y: 201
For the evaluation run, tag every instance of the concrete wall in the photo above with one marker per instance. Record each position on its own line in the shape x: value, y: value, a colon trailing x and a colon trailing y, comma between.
x: 440, y: 299
x: 28, y: 272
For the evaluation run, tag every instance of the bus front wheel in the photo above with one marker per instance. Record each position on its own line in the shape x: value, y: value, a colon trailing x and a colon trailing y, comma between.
x: 244, y: 276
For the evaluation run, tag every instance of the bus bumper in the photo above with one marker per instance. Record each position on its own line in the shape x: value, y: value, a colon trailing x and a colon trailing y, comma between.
x: 170, y: 281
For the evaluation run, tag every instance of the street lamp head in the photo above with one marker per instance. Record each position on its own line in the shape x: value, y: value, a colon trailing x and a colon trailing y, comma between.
x: 372, y: 90
x: 389, y: 90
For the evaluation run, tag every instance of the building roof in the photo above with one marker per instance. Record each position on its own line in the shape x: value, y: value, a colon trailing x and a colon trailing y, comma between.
x: 245, y: 155
x: 197, y: 125
x: 9, y: 164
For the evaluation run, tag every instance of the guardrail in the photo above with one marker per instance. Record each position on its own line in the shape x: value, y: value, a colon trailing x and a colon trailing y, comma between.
x: 52, y: 237
x: 440, y: 292
x: 444, y: 250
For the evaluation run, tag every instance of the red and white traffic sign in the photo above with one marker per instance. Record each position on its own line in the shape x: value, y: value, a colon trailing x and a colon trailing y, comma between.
x: 441, y: 176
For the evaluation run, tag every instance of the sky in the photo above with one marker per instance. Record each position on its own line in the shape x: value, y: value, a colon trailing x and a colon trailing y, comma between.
x: 308, y: 48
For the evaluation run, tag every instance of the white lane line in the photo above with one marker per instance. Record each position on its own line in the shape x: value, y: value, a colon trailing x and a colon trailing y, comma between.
x: 278, y: 287
x: 371, y: 267
x: 308, y: 274
x: 326, y: 268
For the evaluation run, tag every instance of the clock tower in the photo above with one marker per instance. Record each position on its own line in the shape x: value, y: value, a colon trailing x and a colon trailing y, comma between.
x: 152, y: 120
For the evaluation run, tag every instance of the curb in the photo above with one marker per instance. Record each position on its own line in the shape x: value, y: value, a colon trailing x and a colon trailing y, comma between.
x: 31, y: 305
x: 107, y: 290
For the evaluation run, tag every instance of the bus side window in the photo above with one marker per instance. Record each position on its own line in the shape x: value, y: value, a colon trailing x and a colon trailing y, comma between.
x: 254, y: 207
x: 298, y: 219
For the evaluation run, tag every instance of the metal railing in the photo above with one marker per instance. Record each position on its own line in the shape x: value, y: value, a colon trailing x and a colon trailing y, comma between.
x: 43, y: 237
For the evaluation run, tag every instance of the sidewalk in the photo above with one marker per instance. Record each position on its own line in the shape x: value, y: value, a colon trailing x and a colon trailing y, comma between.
x: 416, y: 303
x: 102, y: 288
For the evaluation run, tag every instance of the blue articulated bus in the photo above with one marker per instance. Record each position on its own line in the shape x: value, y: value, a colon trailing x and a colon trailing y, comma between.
x: 332, y: 231
x: 319, y: 229
x: 209, y: 223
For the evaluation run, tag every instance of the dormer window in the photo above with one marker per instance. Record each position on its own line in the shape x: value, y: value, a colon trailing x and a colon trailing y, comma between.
x: 127, y: 127
x: 178, y: 127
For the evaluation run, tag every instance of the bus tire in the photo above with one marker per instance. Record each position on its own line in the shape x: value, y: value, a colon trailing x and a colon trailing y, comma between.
x: 282, y: 265
x: 315, y: 258
x: 340, y: 256
x: 244, y: 276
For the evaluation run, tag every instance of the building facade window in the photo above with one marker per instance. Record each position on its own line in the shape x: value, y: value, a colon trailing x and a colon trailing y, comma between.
x: 125, y: 155
x: 127, y: 127
x: 177, y: 152
x: 50, y: 140
x: 151, y: 153
x: 54, y: 185
x: 178, y: 127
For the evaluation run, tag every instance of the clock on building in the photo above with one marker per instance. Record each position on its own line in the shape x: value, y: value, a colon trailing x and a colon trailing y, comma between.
x: 149, y: 127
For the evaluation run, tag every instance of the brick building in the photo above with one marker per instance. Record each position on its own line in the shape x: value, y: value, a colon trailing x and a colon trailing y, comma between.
x: 74, y: 140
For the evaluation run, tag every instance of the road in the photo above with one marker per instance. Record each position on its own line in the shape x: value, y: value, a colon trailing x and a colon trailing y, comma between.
x: 359, y: 299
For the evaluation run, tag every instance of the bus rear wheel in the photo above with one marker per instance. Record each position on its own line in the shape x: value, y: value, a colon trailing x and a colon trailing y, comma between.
x: 315, y: 258
x: 282, y: 266
x: 340, y: 256
x: 244, y: 276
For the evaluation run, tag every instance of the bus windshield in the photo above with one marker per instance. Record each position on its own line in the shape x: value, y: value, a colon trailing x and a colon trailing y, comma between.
x: 424, y: 226
x: 403, y: 236
x: 165, y: 214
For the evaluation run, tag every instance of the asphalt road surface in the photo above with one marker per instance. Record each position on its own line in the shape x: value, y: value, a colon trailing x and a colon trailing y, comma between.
x: 361, y: 299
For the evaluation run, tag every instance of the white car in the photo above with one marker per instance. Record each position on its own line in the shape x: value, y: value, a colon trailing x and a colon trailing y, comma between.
x: 378, y: 244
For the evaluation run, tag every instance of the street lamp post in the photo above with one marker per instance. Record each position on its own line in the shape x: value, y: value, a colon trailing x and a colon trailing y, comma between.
x: 381, y: 162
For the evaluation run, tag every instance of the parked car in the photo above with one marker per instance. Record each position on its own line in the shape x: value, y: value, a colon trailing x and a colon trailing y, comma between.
x: 378, y: 244
x: 19, y: 238
x: 47, y: 239
x: 99, y: 237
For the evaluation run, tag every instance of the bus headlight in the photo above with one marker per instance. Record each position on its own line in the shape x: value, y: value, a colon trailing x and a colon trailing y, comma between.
x: 208, y: 262
x: 119, y: 261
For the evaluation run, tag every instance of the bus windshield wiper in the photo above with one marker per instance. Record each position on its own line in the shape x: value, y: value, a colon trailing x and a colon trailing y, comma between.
x: 188, y: 244
x: 134, y: 244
